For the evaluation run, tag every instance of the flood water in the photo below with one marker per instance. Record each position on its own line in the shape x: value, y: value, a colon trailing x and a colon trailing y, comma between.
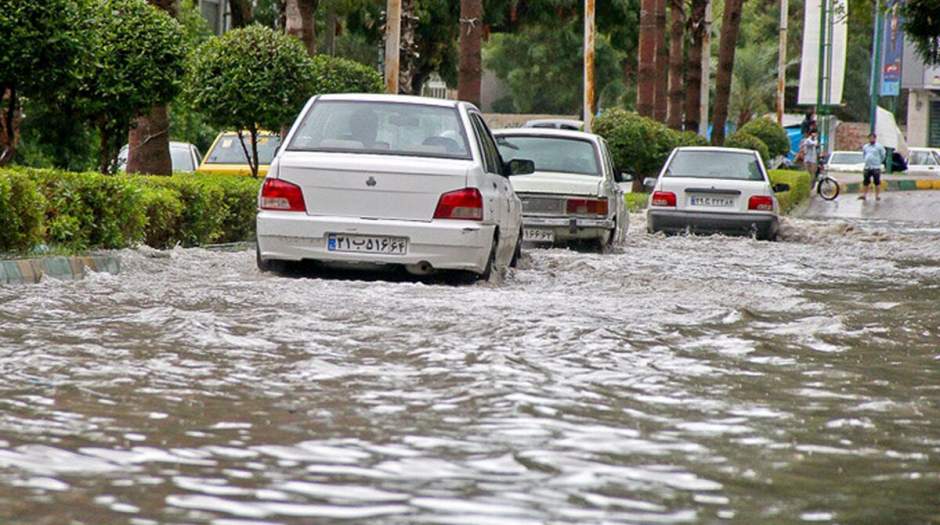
x: 679, y: 380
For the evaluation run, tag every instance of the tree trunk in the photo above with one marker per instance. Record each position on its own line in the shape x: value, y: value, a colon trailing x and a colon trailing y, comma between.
x: 299, y: 22
x: 408, y: 62
x: 241, y: 12
x: 331, y: 27
x: 676, y: 59
x: 730, y: 23
x: 471, y: 29
x: 646, y: 59
x: 9, y: 125
x: 104, y: 149
x: 693, y: 84
x: 662, y: 64
x: 148, y: 142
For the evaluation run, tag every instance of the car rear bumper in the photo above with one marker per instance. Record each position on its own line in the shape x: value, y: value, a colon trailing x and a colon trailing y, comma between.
x: 444, y: 244
x: 676, y: 221
x: 570, y: 228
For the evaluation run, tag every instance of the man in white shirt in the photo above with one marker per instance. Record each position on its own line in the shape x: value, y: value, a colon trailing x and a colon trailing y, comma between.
x: 874, y: 155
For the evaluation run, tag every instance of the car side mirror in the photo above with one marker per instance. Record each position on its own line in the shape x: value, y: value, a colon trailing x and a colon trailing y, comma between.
x: 520, y: 167
x: 781, y: 187
x: 622, y: 176
x: 649, y: 183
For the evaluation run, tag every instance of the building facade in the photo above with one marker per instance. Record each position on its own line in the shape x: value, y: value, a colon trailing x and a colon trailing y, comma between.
x: 923, y: 100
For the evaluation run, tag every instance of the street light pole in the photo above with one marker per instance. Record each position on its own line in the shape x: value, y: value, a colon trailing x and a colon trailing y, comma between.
x: 588, y: 110
x: 875, y: 66
x: 392, y: 45
x: 782, y: 60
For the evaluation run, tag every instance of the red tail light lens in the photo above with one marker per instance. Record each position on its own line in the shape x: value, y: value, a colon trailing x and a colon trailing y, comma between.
x: 760, y: 203
x: 465, y: 204
x: 587, y: 207
x: 663, y: 198
x: 281, y: 196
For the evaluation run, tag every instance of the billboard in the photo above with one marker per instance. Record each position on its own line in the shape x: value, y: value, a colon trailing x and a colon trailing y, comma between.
x: 892, y: 51
x: 837, y: 12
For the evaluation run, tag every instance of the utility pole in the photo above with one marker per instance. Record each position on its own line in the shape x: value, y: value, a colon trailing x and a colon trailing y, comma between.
x: 392, y: 45
x: 706, y: 71
x: 875, y: 66
x: 782, y: 60
x: 588, y: 64
x: 823, y: 79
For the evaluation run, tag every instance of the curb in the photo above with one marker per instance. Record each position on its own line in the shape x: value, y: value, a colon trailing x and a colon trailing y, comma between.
x: 896, y: 185
x: 31, y: 271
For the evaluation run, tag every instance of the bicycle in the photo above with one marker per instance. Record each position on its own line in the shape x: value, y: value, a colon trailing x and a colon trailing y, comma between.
x: 826, y: 187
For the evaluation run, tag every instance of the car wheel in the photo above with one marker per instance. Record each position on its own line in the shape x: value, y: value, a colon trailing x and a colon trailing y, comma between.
x: 268, y: 265
x: 517, y: 253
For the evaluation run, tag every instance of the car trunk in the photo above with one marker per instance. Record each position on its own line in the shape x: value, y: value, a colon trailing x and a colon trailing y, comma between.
x: 713, y: 195
x: 372, y: 186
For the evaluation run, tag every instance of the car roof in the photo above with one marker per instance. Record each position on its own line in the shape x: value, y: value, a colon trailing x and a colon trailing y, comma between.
x: 570, y: 122
x: 547, y: 132
x: 717, y: 149
x: 401, y: 99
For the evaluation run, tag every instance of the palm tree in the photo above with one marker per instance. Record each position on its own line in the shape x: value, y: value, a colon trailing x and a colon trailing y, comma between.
x: 676, y: 55
x: 730, y: 24
x: 662, y: 63
x: 753, y: 86
x: 693, y: 84
x: 299, y: 22
x: 471, y: 29
x: 646, y: 60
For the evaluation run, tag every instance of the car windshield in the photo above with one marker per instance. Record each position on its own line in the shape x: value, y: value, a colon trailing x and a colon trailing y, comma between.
x: 384, y: 128
x: 228, y: 149
x: 846, y: 157
x: 182, y: 160
x: 557, y: 154
x: 715, y: 165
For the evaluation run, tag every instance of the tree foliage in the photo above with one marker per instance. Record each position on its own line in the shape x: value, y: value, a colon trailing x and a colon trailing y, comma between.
x: 249, y: 79
x: 770, y: 133
x: 743, y: 140
x: 922, y: 25
x: 339, y: 75
x: 639, y: 143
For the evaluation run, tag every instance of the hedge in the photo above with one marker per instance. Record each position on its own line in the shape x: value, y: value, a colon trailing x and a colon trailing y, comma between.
x: 799, y: 182
x: 744, y: 140
x: 81, y: 211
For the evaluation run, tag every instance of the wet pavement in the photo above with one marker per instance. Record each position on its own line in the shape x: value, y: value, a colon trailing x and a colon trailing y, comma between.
x: 679, y: 380
x: 898, y: 206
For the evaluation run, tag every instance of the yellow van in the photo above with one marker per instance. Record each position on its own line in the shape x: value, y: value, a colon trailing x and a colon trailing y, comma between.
x: 226, y: 156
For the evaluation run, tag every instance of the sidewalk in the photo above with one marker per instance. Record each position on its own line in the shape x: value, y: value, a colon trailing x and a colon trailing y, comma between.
x: 852, y: 182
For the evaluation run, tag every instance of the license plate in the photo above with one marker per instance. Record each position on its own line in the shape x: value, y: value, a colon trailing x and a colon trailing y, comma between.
x: 336, y: 242
x: 711, y: 202
x: 535, y: 235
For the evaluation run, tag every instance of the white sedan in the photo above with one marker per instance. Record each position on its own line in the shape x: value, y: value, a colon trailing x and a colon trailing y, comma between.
x: 574, y: 193
x: 369, y: 180
x: 845, y: 162
x: 923, y: 161
x: 714, y: 190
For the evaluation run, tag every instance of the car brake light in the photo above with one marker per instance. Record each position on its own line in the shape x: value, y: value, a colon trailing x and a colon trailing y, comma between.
x: 587, y: 207
x: 465, y: 204
x: 279, y: 195
x: 663, y: 198
x: 761, y: 203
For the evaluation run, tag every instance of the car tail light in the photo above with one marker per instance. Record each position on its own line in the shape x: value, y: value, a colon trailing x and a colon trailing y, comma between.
x: 465, y: 204
x: 282, y: 196
x: 587, y: 206
x: 761, y: 203
x: 663, y: 198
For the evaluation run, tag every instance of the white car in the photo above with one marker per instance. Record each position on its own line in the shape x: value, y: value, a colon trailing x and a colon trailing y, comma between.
x: 573, y: 195
x: 923, y: 161
x: 555, y: 123
x: 184, y: 157
x: 845, y: 162
x: 714, y: 190
x: 390, y: 180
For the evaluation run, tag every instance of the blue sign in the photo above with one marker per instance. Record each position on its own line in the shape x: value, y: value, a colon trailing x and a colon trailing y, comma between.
x: 892, y: 51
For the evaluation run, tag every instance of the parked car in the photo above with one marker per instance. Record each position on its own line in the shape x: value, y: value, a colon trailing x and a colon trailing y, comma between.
x: 226, y: 156
x: 555, y: 123
x: 714, y: 190
x: 923, y: 161
x: 183, y: 155
x: 391, y: 180
x: 845, y: 162
x: 573, y: 194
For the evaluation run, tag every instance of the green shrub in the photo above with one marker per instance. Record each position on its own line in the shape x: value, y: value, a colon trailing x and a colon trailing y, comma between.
x: 340, y: 75
x: 746, y: 141
x: 636, y: 201
x: 689, y: 138
x: 164, y: 211
x: 799, y: 182
x: 636, y: 143
x: 21, y: 209
x: 773, y: 135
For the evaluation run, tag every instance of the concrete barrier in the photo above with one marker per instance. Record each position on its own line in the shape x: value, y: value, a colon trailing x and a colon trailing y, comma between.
x: 65, y: 268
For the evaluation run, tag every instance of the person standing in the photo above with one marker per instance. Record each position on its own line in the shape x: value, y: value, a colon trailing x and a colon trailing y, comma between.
x: 810, y: 150
x: 874, y: 155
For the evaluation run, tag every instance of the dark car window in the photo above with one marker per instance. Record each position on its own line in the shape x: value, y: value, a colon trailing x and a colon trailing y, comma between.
x: 715, y: 165
x: 552, y: 154
x: 488, y: 145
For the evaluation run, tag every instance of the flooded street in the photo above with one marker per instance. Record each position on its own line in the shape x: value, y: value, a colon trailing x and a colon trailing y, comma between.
x: 678, y: 380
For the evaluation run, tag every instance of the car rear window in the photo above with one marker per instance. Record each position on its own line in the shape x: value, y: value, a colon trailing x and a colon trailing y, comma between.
x: 715, y: 165
x: 556, y: 154
x: 383, y: 128
x: 846, y: 158
x: 228, y: 150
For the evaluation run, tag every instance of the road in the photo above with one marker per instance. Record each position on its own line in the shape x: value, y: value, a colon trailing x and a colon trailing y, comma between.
x: 913, y: 206
x: 677, y: 380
